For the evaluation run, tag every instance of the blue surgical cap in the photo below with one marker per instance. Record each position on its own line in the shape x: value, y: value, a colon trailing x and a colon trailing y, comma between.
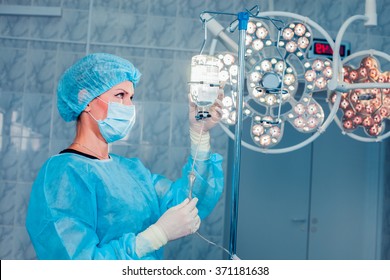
x: 90, y: 77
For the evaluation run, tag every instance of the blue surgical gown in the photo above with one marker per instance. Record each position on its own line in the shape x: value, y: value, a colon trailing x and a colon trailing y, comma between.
x: 82, y: 208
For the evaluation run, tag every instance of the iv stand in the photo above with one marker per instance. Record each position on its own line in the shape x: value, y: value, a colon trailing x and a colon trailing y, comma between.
x: 243, y: 18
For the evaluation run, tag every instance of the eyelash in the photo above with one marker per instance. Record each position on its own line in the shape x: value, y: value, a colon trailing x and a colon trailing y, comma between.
x: 122, y: 95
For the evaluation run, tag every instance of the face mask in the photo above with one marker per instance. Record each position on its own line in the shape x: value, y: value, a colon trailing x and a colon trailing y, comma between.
x: 118, y: 123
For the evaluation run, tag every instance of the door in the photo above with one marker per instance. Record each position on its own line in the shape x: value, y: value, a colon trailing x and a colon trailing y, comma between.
x: 345, y: 197
x: 273, y: 203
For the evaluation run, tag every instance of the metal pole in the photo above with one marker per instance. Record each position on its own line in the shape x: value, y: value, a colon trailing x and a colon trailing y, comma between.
x: 243, y: 18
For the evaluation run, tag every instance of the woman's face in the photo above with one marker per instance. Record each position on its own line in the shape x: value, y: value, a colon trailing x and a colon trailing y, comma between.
x: 120, y: 93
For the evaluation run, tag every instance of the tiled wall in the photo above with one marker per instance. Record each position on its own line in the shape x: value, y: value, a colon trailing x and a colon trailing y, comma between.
x: 159, y: 37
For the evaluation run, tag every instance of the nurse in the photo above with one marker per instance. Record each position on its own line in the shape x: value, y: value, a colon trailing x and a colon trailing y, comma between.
x: 87, y: 203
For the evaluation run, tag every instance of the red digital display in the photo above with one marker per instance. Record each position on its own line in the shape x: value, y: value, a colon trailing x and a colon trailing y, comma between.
x: 321, y: 48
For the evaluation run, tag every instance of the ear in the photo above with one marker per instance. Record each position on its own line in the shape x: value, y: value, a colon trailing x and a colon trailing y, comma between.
x: 87, y: 109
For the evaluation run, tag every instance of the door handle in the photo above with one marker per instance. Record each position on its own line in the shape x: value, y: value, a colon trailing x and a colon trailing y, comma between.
x: 296, y: 220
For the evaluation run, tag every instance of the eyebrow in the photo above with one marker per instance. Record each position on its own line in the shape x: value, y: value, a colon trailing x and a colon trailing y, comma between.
x: 123, y: 90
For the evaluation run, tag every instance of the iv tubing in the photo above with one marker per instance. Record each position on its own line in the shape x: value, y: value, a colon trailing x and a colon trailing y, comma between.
x: 192, y: 173
x: 191, y: 182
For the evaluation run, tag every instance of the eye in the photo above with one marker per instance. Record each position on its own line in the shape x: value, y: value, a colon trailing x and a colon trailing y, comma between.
x: 132, y: 97
x: 120, y: 95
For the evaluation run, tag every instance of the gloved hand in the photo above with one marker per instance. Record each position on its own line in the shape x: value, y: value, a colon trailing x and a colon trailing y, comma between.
x: 208, y: 123
x: 176, y: 222
x: 180, y: 220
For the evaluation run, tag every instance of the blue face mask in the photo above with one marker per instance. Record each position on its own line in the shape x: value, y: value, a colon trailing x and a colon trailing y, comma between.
x: 118, y: 123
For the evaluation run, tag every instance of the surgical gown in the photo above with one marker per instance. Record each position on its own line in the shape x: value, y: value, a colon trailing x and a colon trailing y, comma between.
x: 82, y: 208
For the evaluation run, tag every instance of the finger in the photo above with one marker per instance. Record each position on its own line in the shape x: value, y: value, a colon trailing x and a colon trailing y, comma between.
x: 197, y: 224
x: 191, y: 105
x: 182, y: 204
x: 194, y: 212
x: 218, y: 103
x: 216, y: 115
x: 192, y: 110
x: 219, y: 110
x: 192, y: 204
x: 221, y: 94
x: 216, y: 109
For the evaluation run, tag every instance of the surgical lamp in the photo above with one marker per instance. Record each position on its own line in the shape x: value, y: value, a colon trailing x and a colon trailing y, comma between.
x: 366, y: 108
x: 275, y: 62
x: 364, y: 89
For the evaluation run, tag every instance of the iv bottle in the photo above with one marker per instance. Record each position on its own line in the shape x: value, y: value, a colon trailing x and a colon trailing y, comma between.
x: 204, y: 83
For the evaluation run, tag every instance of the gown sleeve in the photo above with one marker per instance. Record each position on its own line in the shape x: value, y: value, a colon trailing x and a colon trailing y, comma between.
x: 61, y: 217
x: 207, y: 187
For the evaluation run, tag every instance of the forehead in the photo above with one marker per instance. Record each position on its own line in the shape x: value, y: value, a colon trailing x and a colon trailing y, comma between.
x: 126, y: 85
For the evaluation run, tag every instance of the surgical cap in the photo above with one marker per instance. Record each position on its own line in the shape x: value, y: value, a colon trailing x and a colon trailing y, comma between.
x: 90, y: 77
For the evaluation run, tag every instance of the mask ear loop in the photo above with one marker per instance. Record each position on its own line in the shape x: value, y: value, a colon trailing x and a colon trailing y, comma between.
x: 92, y: 116
x: 90, y: 112
x: 98, y: 97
